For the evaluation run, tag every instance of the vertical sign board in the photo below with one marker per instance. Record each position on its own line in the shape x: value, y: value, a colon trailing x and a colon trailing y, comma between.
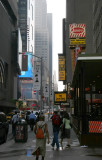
x: 60, y: 97
x: 61, y: 59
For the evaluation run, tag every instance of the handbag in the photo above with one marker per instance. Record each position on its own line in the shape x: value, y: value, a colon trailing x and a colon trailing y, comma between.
x: 63, y: 128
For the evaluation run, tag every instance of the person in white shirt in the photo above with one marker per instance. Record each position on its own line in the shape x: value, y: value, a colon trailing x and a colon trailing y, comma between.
x: 15, y: 119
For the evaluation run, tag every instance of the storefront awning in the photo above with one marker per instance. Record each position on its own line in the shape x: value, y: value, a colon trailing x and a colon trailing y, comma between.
x: 92, y: 65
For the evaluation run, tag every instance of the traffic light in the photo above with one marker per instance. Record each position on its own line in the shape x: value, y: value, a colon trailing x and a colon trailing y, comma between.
x: 24, y: 62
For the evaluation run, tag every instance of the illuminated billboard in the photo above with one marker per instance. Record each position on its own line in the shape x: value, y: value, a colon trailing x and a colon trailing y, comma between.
x: 28, y: 73
x: 61, y: 59
x: 60, y: 97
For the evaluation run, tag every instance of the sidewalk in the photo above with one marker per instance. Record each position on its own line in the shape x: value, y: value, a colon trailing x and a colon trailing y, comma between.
x: 74, y: 152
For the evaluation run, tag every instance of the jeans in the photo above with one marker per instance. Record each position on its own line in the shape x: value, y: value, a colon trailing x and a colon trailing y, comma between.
x: 55, y: 139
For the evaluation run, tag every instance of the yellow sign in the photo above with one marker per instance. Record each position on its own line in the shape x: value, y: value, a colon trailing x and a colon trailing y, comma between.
x: 60, y: 97
x: 77, y: 41
x: 61, y: 67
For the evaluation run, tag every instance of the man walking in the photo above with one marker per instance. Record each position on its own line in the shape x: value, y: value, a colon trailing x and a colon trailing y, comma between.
x: 56, y: 121
x: 15, y: 119
x: 32, y: 120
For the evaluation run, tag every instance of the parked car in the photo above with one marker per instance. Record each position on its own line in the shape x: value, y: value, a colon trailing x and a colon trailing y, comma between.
x: 4, y: 127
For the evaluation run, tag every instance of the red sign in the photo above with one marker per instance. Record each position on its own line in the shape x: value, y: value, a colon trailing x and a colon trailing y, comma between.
x: 77, y: 30
x: 95, y: 101
x: 95, y: 126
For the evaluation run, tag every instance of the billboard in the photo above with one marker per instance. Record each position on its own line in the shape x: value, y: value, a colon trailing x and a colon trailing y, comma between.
x: 28, y: 66
x: 61, y: 59
x: 77, y: 31
x: 60, y: 97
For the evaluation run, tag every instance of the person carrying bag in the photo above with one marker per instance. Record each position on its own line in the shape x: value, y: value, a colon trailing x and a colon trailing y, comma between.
x: 41, y: 132
x: 65, y: 129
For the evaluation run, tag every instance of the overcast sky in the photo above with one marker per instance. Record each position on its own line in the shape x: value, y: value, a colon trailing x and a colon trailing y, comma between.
x: 58, y: 9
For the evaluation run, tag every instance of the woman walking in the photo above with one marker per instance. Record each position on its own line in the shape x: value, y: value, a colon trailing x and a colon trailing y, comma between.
x: 41, y: 131
x: 65, y: 129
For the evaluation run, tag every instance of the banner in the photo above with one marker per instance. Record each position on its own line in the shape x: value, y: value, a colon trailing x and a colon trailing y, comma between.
x: 46, y: 90
x: 61, y: 59
x: 37, y: 76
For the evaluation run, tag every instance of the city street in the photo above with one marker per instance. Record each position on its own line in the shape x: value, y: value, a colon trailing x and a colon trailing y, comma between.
x: 22, y: 151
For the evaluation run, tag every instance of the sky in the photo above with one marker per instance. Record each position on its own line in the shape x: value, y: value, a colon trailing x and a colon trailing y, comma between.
x: 58, y: 10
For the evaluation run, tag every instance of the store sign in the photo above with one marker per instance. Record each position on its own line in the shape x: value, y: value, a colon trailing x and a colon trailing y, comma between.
x: 95, y: 126
x: 61, y: 60
x: 77, y: 31
x: 60, y: 97
x: 77, y: 41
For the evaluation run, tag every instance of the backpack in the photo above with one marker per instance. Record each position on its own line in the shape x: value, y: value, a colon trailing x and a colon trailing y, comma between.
x: 40, y: 132
x: 56, y: 120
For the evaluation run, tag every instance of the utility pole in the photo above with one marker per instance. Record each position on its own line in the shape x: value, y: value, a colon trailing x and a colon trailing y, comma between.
x: 49, y: 96
x: 41, y: 87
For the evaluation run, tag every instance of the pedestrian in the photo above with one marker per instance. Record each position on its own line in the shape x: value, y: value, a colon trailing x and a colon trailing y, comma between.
x: 65, y: 129
x: 56, y: 121
x: 32, y: 120
x: 41, y: 132
x: 15, y: 119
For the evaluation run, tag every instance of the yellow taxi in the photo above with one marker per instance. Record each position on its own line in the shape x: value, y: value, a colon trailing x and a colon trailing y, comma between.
x: 9, y: 117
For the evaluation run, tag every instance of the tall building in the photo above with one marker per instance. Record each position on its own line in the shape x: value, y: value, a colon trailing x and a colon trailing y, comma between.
x: 41, y: 35
x: 26, y: 24
x: 8, y: 54
x: 49, y: 25
x: 78, y: 12
x: 97, y: 26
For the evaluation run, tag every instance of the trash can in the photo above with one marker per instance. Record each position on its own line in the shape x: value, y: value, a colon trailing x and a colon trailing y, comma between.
x: 21, y: 131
